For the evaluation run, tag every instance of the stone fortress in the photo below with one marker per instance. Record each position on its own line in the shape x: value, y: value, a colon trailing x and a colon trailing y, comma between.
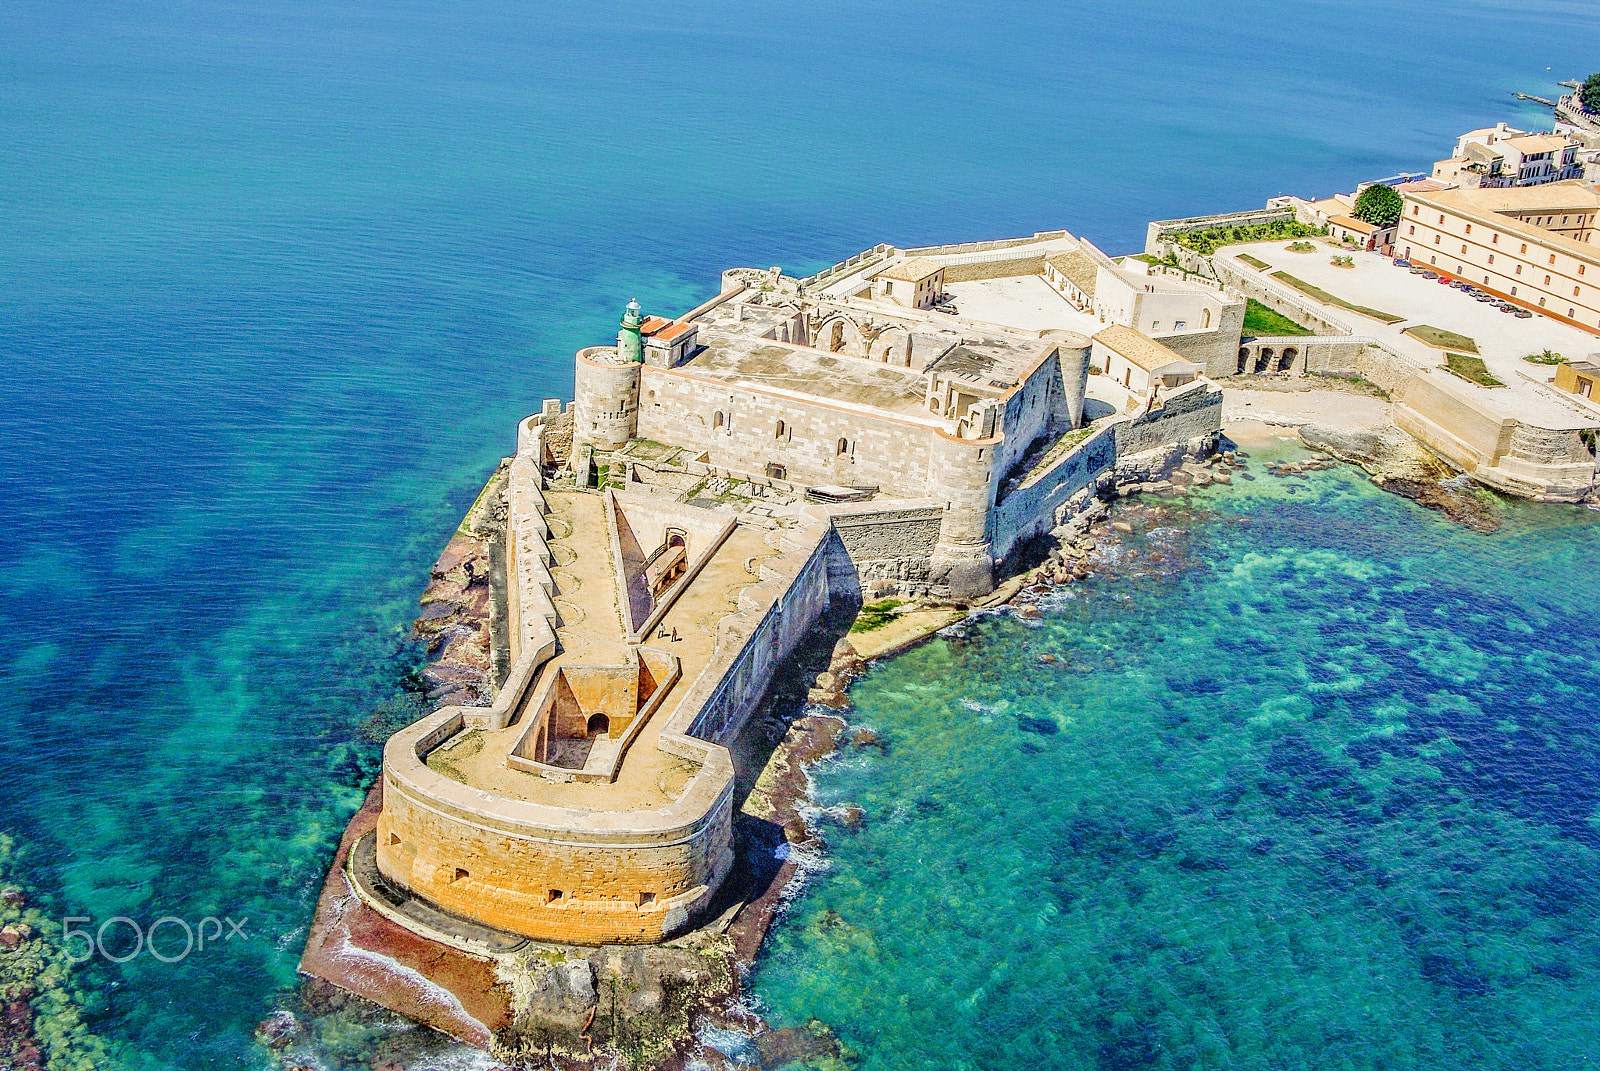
x: 901, y: 423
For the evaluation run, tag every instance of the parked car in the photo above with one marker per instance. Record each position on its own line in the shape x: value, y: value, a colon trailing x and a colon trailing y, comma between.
x: 1503, y: 307
x: 1522, y: 314
x: 1446, y: 280
x: 1401, y: 262
x: 1426, y: 274
x: 1481, y: 296
x: 945, y: 307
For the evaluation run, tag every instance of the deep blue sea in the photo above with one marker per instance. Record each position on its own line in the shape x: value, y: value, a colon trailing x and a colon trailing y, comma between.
x: 278, y: 278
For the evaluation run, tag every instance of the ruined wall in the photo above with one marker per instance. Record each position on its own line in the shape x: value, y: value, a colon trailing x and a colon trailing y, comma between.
x: 889, y: 454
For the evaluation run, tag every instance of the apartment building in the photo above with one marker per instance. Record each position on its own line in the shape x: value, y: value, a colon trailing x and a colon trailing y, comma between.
x: 1535, y: 245
x: 1501, y: 156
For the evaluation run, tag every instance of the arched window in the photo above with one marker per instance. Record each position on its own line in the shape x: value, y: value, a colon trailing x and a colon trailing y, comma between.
x: 779, y: 433
x: 1205, y: 318
x: 844, y: 447
x: 718, y: 420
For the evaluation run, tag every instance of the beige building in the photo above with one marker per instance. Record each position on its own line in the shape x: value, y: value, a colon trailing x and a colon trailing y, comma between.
x: 1534, y: 245
x: 1141, y: 364
x: 917, y: 283
x: 1360, y: 233
x: 1579, y: 377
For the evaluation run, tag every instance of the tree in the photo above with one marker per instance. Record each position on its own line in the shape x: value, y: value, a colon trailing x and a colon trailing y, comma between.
x: 1589, y: 95
x: 1379, y: 205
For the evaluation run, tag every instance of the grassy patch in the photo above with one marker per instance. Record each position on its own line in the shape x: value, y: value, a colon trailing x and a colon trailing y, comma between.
x: 1254, y: 262
x: 1328, y: 299
x: 1545, y: 357
x: 1440, y: 339
x: 875, y: 615
x: 1262, y: 321
x: 1471, y: 369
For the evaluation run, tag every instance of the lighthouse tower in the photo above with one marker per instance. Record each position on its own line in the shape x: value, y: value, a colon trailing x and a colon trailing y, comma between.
x: 606, y: 388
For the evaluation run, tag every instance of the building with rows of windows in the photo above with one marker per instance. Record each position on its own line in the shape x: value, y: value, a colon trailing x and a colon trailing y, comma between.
x: 1533, y: 245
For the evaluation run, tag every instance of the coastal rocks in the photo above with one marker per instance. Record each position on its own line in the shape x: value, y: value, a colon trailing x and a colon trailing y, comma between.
x: 1396, y: 462
x: 618, y: 1005
x: 41, y: 1015
x: 459, y: 606
x: 830, y: 686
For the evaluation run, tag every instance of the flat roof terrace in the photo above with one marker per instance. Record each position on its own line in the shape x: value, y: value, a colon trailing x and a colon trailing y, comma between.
x: 800, y: 371
x: 591, y: 631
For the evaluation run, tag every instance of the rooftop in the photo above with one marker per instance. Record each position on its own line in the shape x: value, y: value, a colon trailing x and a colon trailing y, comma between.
x: 1351, y: 223
x: 912, y: 271
x: 800, y: 371
x: 1139, y: 348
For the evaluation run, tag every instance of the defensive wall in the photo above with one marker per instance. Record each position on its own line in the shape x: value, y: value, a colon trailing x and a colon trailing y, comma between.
x: 560, y: 872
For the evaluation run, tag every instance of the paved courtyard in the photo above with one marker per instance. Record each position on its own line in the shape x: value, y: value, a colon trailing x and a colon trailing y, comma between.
x: 1022, y: 301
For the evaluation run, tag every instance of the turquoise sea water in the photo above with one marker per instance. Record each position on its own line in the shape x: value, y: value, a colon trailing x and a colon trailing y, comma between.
x: 1325, y: 798
x: 280, y: 276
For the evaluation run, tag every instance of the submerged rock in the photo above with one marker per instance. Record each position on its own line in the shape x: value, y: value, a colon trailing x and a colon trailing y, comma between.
x: 1398, y: 463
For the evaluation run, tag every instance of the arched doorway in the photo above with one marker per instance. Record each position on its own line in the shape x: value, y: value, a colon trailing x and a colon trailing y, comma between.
x: 675, y: 538
x: 836, y: 340
x: 1286, y: 362
x: 599, y: 725
x: 1244, y: 355
x: 1264, y: 359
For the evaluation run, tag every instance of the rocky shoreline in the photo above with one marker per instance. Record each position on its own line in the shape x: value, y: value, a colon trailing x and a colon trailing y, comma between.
x: 41, y: 1000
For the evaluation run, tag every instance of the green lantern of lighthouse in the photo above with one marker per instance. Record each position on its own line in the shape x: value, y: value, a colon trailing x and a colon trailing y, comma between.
x: 630, y: 344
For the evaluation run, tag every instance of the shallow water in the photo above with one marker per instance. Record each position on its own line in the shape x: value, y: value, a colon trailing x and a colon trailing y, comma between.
x: 1327, y: 800
x: 280, y: 278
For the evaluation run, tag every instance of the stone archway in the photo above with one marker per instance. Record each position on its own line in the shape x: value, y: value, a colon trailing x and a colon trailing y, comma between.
x: 1286, y: 362
x: 1264, y: 359
x: 599, y: 725
x: 836, y: 337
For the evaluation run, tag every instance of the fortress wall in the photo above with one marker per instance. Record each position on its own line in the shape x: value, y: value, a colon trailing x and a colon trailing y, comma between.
x: 888, y: 534
x: 635, y: 888
x: 1193, y: 411
x: 1034, y: 506
x: 885, y: 453
x: 724, y: 702
x: 1206, y: 223
x: 1430, y: 404
x: 1216, y: 351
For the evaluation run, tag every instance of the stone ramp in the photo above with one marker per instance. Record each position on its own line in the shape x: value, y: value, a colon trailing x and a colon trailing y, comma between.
x: 356, y: 949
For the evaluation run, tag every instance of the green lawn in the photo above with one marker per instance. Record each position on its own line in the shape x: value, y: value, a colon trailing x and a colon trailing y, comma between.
x: 1261, y: 321
x: 1328, y: 299
x: 1471, y: 369
x: 1252, y: 261
x: 1440, y: 339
